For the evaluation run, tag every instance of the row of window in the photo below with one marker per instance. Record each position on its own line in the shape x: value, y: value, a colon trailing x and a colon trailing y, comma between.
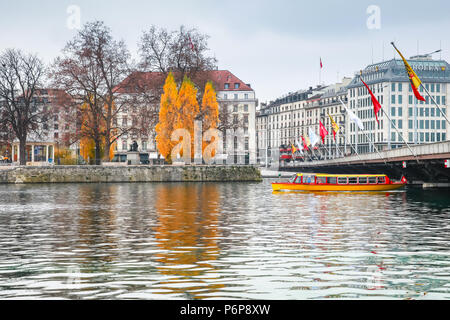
x: 235, y: 96
x: 398, y: 99
x: 341, y: 180
x: 424, y: 124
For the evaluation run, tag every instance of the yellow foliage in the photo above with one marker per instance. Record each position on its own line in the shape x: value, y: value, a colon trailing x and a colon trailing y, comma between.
x: 178, y: 110
x: 65, y: 156
x: 210, y: 110
x: 167, y: 117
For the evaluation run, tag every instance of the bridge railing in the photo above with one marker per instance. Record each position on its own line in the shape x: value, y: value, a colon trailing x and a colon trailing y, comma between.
x: 432, y: 150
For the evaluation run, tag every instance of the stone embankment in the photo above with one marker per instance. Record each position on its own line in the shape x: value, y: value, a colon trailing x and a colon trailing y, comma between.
x: 105, y: 174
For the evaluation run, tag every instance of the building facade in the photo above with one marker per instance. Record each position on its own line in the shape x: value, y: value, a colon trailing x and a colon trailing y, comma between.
x: 237, y: 101
x: 413, y: 121
x: 284, y: 121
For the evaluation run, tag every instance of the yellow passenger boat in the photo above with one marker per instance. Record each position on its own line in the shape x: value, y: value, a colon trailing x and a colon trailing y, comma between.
x: 338, y: 182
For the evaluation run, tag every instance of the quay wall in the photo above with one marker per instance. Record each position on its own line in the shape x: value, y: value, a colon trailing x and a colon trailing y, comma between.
x: 106, y: 174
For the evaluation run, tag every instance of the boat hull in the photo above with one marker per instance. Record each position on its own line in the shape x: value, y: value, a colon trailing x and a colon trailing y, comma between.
x: 315, y: 187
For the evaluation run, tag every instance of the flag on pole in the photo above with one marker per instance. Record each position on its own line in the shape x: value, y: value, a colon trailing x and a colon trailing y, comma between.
x: 306, y: 143
x: 413, y: 78
x: 293, y: 149
x: 323, y: 132
x: 300, y: 147
x: 321, y: 65
x: 313, y: 138
x: 353, y: 117
x: 335, y: 127
x: 192, y: 45
x: 376, y: 104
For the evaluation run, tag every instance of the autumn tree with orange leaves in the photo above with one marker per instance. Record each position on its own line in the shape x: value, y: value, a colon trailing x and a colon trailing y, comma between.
x: 179, y: 110
x: 167, y: 117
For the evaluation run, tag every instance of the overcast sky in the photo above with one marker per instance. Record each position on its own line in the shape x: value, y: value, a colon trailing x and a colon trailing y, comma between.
x: 273, y: 45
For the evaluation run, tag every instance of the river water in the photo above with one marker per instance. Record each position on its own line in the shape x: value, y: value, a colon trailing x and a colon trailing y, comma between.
x: 221, y: 241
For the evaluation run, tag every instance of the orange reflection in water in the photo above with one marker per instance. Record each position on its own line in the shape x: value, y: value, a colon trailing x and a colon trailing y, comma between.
x: 187, y: 232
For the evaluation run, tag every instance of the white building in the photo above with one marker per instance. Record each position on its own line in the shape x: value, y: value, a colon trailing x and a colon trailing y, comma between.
x: 417, y: 121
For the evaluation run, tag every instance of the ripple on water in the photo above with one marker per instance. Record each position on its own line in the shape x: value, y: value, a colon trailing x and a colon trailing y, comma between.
x: 221, y: 241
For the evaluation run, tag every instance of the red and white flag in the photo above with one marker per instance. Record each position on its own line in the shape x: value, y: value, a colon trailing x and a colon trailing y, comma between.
x: 192, y: 45
x: 321, y: 65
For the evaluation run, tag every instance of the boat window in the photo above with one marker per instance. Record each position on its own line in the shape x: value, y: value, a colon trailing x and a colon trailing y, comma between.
x: 362, y: 180
x: 381, y: 180
x: 321, y: 180
x: 372, y: 180
x: 299, y: 179
x: 292, y: 179
x: 342, y: 180
x: 332, y: 180
x: 353, y: 180
x: 309, y: 179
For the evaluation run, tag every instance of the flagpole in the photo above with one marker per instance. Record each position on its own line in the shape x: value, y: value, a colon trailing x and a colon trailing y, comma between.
x: 373, y: 144
x: 351, y: 145
x: 434, y: 101
x: 401, y: 136
x: 370, y: 140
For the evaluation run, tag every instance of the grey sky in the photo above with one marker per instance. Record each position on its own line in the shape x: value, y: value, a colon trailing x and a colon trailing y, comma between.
x: 274, y: 45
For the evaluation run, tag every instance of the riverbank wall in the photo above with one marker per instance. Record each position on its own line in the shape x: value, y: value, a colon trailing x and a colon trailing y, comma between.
x: 108, y: 174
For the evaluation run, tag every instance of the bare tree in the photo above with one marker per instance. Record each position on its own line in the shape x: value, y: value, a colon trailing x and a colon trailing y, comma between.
x: 20, y: 76
x: 184, y: 52
x: 93, y: 64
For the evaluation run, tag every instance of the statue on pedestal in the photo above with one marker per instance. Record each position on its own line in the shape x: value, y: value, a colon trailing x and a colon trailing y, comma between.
x: 134, y: 146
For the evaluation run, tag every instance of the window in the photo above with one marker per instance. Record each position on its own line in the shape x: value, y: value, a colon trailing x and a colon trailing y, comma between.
x: 235, y: 96
x: 372, y: 180
x: 309, y: 179
x: 332, y: 180
x: 381, y: 180
x: 236, y: 85
x: 399, y: 87
x: 400, y: 99
x: 393, y: 111
x: 342, y: 180
x: 235, y: 108
x: 353, y: 180
x: 245, y: 107
x: 400, y: 111
x: 321, y: 180
x: 393, y: 87
x: 392, y: 99
x: 225, y: 96
x: 362, y: 180
x: 246, y: 96
x: 227, y: 86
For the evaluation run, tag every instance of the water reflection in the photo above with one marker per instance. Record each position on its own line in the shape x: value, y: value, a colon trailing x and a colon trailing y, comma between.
x: 212, y: 240
x: 187, y: 234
